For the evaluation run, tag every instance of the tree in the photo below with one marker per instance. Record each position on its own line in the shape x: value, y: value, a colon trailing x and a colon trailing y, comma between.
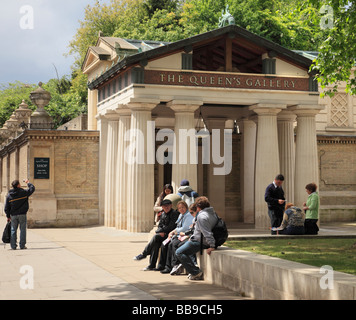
x: 11, y: 96
x: 337, y: 54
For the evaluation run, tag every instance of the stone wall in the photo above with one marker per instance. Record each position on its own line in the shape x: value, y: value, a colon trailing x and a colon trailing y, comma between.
x: 337, y: 185
x: 69, y: 196
x: 268, y: 278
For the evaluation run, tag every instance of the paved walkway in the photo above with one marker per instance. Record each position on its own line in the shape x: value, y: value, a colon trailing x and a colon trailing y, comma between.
x: 92, y: 263
x: 97, y: 263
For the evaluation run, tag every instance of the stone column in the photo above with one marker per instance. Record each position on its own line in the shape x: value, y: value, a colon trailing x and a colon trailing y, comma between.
x: 103, y: 128
x: 247, y: 182
x: 110, y: 172
x: 286, y: 145
x: 122, y: 168
x: 306, y: 160
x: 216, y: 183
x: 267, y: 158
x: 184, y: 160
x: 140, y: 158
x: 92, y: 109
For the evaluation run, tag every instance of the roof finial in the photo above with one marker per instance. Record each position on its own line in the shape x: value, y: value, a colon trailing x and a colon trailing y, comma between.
x: 226, y: 18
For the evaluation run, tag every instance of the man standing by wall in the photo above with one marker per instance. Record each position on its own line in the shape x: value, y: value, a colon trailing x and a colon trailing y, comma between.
x: 274, y: 196
x: 16, y: 207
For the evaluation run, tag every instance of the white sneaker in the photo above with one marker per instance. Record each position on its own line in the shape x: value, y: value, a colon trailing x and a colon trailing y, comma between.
x: 177, y: 269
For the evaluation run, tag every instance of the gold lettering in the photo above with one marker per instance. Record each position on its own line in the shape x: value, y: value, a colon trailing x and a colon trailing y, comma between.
x: 220, y: 79
x: 249, y: 82
x: 201, y: 80
x: 228, y: 81
x: 162, y: 77
x: 194, y: 80
x: 237, y: 81
x: 264, y: 83
x: 212, y: 80
x: 286, y: 84
x: 271, y: 83
x: 180, y: 78
x: 171, y: 78
x: 278, y: 83
x: 293, y: 84
x: 257, y: 83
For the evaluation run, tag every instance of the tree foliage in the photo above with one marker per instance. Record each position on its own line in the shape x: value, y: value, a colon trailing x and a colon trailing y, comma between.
x: 67, y: 102
x: 336, y: 61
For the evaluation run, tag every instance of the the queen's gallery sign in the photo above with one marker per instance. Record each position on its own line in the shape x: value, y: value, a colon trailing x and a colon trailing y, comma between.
x: 226, y: 80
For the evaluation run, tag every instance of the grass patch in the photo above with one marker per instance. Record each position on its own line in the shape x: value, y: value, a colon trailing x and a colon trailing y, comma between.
x: 337, y: 253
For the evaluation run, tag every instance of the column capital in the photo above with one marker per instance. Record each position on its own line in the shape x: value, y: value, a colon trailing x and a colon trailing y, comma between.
x: 286, y: 116
x: 184, y: 105
x: 122, y: 110
x: 142, y: 104
x: 267, y: 108
x: 111, y: 115
x: 306, y: 110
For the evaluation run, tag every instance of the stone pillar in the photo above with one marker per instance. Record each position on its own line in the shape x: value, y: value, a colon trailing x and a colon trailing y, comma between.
x: 122, y: 168
x: 184, y: 162
x: 92, y: 109
x: 306, y: 160
x: 286, y: 145
x: 110, y: 172
x: 140, y: 158
x: 103, y: 128
x: 248, y: 147
x: 216, y: 183
x: 267, y: 158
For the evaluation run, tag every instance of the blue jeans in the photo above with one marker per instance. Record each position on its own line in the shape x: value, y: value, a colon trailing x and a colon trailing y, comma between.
x: 186, y: 254
x: 17, y: 220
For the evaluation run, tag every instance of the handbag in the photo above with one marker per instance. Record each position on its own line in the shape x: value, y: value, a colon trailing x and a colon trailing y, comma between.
x: 6, y: 235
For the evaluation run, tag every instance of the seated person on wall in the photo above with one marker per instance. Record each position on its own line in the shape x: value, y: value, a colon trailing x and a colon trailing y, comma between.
x: 312, y: 209
x: 186, y: 192
x: 293, y: 221
x: 167, y: 189
x: 205, y: 221
x: 183, y: 223
x: 176, y: 266
x: 166, y: 224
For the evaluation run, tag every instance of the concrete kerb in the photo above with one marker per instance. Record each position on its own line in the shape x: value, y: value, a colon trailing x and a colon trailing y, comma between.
x: 263, y: 277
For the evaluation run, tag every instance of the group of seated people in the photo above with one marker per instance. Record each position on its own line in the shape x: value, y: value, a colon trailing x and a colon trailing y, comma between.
x: 178, y: 234
x: 297, y: 221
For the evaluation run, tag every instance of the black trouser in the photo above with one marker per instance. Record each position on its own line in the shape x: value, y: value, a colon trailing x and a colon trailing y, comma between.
x: 310, y: 226
x: 152, y: 249
x: 171, y: 247
x: 276, y: 217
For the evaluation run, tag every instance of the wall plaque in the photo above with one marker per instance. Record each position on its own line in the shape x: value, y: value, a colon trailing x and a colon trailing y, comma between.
x: 41, y: 168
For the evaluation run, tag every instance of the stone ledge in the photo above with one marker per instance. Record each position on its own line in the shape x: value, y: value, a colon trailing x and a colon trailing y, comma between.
x: 268, y: 278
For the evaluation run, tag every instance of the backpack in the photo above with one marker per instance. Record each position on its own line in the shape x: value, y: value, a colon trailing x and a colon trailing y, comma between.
x: 220, y: 232
x: 188, y: 200
x: 6, y: 236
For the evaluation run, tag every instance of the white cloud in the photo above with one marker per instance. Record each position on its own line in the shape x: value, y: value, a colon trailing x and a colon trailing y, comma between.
x: 28, y: 55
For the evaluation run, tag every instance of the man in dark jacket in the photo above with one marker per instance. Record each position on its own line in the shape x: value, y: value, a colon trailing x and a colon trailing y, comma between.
x: 16, y: 207
x: 274, y: 196
x: 167, y: 223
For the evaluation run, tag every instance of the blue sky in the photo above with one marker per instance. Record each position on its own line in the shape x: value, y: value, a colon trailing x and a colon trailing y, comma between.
x: 35, y: 35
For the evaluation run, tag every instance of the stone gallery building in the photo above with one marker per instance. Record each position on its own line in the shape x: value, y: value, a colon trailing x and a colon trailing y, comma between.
x: 259, y: 96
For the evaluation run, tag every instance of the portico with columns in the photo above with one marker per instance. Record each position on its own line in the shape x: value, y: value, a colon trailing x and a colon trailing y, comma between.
x: 259, y: 97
